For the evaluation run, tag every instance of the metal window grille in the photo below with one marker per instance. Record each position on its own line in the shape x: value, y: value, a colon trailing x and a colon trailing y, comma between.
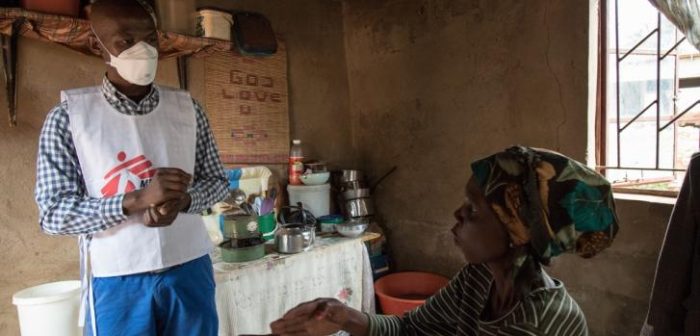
x: 654, y: 106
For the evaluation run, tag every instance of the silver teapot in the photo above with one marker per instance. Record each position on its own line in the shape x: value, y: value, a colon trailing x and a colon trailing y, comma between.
x: 295, y: 238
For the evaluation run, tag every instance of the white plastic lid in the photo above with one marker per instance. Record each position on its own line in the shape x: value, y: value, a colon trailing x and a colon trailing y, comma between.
x: 47, y: 293
x: 296, y: 142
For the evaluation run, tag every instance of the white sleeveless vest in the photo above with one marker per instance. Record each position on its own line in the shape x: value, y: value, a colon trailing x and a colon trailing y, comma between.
x: 118, y: 154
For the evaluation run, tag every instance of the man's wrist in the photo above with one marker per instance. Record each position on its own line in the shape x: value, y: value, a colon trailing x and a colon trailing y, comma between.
x: 131, y: 201
x: 186, y: 203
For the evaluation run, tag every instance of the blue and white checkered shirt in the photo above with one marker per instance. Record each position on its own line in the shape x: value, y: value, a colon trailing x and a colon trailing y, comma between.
x: 64, y: 205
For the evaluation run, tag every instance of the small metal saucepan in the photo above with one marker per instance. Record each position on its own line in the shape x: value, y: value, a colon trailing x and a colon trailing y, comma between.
x: 361, y: 207
x: 294, y: 238
x: 351, y: 175
x: 350, y: 185
x: 352, y: 194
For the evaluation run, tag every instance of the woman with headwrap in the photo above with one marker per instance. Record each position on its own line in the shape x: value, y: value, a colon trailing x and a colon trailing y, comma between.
x: 523, y: 206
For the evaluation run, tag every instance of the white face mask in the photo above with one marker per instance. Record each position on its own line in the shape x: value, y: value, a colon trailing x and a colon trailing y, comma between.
x: 138, y: 64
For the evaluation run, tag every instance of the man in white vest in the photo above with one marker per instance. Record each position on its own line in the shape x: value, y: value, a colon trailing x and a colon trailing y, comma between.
x: 128, y: 166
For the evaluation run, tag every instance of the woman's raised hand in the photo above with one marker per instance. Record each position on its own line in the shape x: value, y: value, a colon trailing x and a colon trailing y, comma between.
x: 320, y: 317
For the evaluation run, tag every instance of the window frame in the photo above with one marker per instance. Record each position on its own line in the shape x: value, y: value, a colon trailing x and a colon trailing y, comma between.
x: 601, y: 110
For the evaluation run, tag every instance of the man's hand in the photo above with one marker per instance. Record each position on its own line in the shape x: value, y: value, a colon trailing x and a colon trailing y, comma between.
x: 166, y: 213
x: 320, y: 317
x: 168, y: 184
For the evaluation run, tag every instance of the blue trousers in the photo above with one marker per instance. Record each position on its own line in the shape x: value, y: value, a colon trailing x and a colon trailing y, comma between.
x: 177, y: 302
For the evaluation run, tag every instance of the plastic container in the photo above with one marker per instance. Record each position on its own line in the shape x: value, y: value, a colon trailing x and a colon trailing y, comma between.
x: 268, y: 225
x: 49, y: 309
x: 213, y: 23
x: 328, y: 222
x: 405, y: 291
x: 296, y: 165
x: 252, y: 180
x: 316, y: 199
x: 58, y: 7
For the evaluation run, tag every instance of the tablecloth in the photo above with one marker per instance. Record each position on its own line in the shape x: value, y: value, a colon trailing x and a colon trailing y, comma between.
x: 251, y: 295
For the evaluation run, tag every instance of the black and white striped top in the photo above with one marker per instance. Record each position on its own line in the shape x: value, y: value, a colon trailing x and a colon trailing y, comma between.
x: 456, y: 310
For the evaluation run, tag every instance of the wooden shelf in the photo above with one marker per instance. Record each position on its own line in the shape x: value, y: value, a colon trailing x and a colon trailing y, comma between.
x: 76, y: 34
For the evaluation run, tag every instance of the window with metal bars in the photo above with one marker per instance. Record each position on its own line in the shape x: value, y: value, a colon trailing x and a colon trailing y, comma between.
x: 650, y: 115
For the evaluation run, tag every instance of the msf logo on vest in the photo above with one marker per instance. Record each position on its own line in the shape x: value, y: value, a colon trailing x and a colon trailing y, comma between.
x: 128, y: 175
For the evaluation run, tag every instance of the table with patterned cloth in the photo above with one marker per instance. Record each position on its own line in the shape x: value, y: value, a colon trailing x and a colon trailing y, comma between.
x: 251, y: 295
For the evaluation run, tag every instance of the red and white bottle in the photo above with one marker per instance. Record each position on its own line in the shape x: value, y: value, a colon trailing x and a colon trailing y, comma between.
x: 296, y: 164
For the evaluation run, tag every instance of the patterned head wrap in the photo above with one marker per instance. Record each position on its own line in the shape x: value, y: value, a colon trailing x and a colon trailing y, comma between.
x: 548, y: 201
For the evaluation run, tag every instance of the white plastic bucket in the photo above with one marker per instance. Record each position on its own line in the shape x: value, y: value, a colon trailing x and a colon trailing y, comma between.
x: 49, y: 309
x: 214, y: 24
x: 315, y: 198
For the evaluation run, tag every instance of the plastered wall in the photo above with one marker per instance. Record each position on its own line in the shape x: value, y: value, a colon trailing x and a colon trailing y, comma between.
x: 437, y: 84
x: 318, y: 98
x: 424, y: 85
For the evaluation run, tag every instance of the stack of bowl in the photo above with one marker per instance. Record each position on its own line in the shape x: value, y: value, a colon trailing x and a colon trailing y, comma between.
x: 357, y: 203
x: 314, y: 193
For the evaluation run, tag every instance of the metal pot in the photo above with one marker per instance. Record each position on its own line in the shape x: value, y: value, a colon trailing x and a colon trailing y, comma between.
x: 353, y: 185
x: 240, y: 226
x: 295, y: 238
x: 352, y: 194
x: 360, y: 207
x: 351, y: 175
x: 242, y: 250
